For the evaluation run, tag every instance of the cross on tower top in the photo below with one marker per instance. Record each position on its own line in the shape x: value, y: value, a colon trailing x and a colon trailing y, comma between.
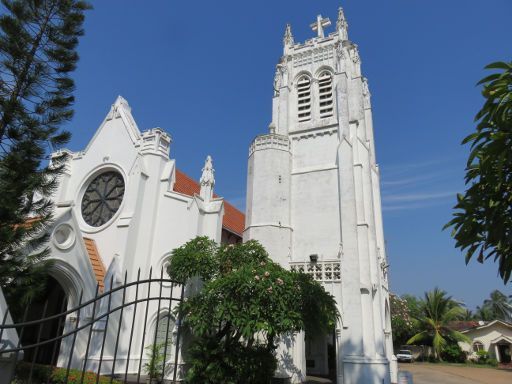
x: 319, y: 25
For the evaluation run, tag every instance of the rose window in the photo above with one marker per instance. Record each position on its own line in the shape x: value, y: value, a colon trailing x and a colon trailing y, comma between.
x: 102, y: 198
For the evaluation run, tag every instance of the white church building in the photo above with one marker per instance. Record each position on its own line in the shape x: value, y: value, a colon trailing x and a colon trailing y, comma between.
x: 122, y: 206
x: 313, y: 201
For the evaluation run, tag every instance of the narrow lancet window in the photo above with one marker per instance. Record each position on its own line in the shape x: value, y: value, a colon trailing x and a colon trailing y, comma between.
x: 325, y: 94
x: 304, y: 98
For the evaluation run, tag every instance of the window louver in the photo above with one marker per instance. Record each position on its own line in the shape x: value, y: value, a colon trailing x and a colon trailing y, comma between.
x: 304, y: 98
x: 325, y: 95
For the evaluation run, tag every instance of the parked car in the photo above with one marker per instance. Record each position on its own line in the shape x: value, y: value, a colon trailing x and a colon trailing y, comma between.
x: 404, y: 355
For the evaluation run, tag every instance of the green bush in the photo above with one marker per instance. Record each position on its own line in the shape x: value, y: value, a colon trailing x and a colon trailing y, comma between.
x: 40, y: 373
x: 45, y: 373
x: 74, y: 377
x: 210, y: 362
x: 492, y: 362
x: 453, y: 354
x: 482, y: 357
x: 156, y: 360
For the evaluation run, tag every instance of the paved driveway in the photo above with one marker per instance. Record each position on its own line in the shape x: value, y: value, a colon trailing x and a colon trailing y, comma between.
x: 424, y: 373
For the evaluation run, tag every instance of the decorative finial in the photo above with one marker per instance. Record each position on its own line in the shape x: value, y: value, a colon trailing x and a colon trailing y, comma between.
x: 342, y: 25
x: 288, y: 37
x: 319, y: 25
x: 207, y: 180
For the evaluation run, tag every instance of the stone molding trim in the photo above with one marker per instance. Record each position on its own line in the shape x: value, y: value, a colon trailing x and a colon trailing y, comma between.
x: 270, y: 141
x: 312, y: 133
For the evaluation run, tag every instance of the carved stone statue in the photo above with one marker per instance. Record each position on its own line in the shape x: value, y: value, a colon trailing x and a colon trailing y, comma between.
x: 366, y: 93
x: 207, y: 180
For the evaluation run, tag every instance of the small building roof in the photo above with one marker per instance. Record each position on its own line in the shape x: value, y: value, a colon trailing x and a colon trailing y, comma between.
x: 464, y: 325
x: 488, y: 324
x: 233, y: 221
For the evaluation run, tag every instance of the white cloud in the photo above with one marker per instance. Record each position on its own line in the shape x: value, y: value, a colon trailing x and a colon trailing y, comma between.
x: 414, y: 197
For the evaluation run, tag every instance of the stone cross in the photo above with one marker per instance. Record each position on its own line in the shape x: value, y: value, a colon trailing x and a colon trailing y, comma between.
x: 319, y: 25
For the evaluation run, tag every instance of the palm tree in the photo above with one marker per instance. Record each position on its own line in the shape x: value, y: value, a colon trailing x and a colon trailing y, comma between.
x: 484, y: 313
x: 468, y: 315
x: 499, y: 305
x: 437, y: 311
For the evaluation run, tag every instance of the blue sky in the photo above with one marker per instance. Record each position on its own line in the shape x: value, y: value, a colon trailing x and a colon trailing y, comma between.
x: 203, y: 71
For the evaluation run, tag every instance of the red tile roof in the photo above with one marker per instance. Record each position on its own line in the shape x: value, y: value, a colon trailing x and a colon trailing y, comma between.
x: 234, y: 220
x: 96, y: 263
x: 463, y: 325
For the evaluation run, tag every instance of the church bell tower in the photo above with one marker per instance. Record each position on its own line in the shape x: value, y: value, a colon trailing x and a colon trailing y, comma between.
x: 313, y: 201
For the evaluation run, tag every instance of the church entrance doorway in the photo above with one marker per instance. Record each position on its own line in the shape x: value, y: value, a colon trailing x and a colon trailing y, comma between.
x: 321, y: 355
x: 52, y: 301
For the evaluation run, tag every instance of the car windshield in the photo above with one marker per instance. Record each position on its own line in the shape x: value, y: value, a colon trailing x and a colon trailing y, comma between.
x: 404, y: 352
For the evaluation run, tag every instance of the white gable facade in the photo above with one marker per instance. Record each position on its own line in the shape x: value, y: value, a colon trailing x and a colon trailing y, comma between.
x: 118, y: 216
x: 313, y: 200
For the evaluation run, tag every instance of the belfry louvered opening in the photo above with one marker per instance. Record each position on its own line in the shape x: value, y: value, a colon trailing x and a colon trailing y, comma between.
x: 304, y: 98
x: 325, y: 94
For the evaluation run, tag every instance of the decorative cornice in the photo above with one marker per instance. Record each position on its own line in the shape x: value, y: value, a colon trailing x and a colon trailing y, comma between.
x: 312, y: 133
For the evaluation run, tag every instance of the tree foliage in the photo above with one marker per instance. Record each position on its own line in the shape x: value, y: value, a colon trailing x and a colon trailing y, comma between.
x: 403, y: 324
x: 240, y: 304
x: 38, y: 40
x: 437, y: 311
x: 482, y: 223
x: 497, y: 307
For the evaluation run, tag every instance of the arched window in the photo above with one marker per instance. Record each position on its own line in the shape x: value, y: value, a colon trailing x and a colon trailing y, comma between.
x: 304, y: 98
x: 165, y: 329
x: 478, y: 346
x: 325, y: 94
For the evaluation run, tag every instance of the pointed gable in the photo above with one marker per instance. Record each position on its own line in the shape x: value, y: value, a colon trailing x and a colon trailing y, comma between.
x: 118, y: 126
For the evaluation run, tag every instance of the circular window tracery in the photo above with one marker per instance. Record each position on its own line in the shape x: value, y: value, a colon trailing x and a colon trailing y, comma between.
x: 64, y: 236
x: 102, y: 198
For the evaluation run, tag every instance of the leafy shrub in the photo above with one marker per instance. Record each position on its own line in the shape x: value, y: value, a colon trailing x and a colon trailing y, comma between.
x: 40, y: 373
x: 246, y: 303
x: 45, y: 373
x: 482, y: 357
x: 492, y: 362
x: 74, y: 377
x: 156, y: 360
x: 453, y: 354
x: 210, y: 362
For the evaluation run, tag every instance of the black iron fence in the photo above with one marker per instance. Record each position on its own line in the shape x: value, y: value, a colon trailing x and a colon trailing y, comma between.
x: 129, y: 333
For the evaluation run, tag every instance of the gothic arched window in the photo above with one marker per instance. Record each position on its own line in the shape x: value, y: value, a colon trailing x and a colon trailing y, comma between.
x: 165, y: 329
x: 325, y: 94
x: 304, y: 98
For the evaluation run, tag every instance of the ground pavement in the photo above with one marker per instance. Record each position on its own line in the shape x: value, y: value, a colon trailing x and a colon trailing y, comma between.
x: 424, y: 373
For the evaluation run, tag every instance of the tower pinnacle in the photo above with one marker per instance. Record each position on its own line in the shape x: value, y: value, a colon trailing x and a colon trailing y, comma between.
x: 342, y: 25
x: 288, y: 38
x: 319, y: 25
